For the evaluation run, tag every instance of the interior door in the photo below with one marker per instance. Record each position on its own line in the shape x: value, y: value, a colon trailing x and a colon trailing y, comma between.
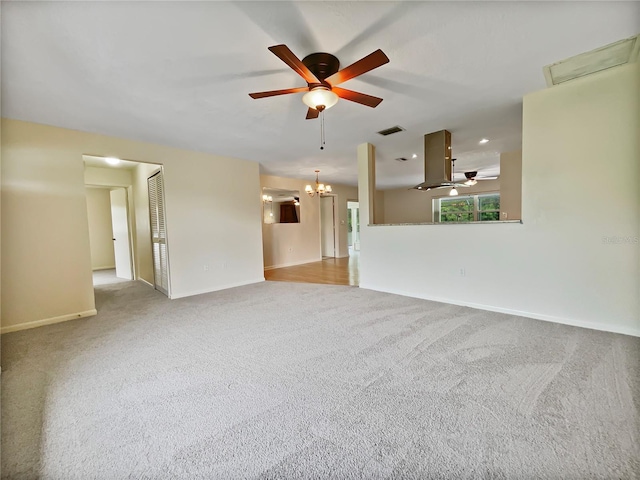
x: 327, y: 221
x: 121, y: 239
x: 158, y: 233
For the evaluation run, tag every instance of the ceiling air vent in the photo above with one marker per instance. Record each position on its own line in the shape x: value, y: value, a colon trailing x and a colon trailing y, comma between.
x: 390, y: 131
x: 612, y: 55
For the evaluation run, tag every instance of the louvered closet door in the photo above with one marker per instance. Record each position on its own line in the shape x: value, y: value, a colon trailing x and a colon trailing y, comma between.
x: 158, y: 233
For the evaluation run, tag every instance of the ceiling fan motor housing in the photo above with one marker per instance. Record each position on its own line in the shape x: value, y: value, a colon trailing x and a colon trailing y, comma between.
x: 322, y: 65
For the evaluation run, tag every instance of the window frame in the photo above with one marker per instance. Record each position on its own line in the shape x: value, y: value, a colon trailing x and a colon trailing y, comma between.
x: 437, y: 207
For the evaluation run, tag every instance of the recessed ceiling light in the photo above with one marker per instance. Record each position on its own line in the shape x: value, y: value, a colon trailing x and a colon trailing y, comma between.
x: 415, y: 155
x: 483, y: 141
x: 112, y: 160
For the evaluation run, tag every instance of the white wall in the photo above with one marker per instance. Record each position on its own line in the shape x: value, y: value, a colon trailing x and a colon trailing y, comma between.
x: 575, y: 258
x: 46, y: 275
x: 100, y: 228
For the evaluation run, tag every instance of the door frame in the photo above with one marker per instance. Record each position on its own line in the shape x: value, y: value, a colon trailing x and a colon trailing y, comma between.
x: 130, y: 221
x: 353, y: 231
x: 336, y: 238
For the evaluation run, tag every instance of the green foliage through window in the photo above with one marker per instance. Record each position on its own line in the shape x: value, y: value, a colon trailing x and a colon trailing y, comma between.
x: 470, y: 208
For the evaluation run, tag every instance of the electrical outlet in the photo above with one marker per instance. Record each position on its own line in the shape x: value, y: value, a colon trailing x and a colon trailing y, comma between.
x: 462, y: 271
x: 205, y: 268
x: 224, y: 265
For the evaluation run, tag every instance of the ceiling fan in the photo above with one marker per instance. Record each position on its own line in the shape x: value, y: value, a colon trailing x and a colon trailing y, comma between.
x: 472, y: 178
x: 322, y: 73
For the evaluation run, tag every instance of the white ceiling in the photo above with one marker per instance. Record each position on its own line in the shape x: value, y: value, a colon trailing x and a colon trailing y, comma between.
x: 179, y: 74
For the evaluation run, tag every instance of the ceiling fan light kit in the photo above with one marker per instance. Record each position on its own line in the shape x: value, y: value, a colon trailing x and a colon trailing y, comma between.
x: 320, y: 98
x: 322, y: 73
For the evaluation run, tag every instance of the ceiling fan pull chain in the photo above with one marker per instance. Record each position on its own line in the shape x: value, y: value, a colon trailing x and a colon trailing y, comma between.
x: 322, y: 141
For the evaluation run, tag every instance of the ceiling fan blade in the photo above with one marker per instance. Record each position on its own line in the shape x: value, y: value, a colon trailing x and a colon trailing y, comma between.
x: 487, y: 178
x: 312, y: 113
x: 273, y: 93
x: 362, y: 98
x: 288, y: 57
x: 371, y: 61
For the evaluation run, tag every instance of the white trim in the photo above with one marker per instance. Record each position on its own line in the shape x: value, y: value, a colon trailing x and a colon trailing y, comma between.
x: 635, y: 332
x: 148, y: 283
x: 95, y: 269
x: 215, y: 289
x: 292, y: 264
x: 47, y: 321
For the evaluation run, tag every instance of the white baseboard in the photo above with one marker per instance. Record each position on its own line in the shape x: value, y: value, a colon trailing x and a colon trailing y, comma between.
x: 47, y: 321
x: 175, y: 296
x: 634, y: 332
x: 144, y: 281
x: 108, y: 267
x: 292, y: 264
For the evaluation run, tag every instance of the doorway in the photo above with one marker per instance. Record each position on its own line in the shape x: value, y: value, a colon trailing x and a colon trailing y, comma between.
x: 353, y: 227
x: 121, y: 239
x: 328, y: 226
x: 110, y: 237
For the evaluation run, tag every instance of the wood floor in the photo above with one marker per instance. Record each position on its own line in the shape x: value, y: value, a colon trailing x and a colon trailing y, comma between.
x: 332, y: 271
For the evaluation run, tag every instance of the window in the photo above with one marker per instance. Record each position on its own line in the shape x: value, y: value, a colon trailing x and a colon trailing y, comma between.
x: 468, y: 208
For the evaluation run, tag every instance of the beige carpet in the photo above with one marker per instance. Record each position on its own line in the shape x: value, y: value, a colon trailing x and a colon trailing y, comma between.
x: 279, y: 380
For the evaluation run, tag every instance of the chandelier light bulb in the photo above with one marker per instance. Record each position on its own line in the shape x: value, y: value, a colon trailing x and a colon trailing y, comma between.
x: 320, y: 189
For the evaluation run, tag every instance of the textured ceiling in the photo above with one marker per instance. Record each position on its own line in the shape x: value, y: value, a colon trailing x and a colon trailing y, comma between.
x: 178, y: 73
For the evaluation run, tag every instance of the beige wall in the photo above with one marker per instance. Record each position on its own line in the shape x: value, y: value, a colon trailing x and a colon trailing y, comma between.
x: 575, y: 258
x: 379, y: 208
x: 511, y: 186
x: 404, y: 205
x: 113, y: 177
x: 100, y: 228
x: 46, y: 274
x: 295, y: 243
x: 291, y: 243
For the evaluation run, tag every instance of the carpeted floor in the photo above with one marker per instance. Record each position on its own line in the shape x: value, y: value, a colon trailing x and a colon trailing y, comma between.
x: 106, y: 277
x: 282, y: 380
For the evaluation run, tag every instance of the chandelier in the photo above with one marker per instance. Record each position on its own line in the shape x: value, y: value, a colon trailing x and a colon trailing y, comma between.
x: 321, y: 188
